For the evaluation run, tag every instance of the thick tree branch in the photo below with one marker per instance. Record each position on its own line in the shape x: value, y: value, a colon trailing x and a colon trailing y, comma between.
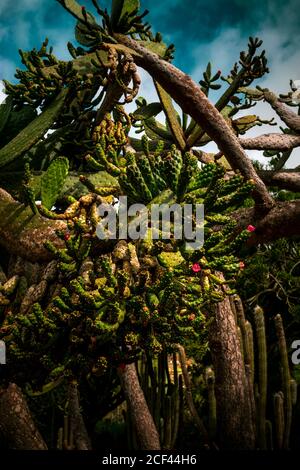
x: 81, y: 437
x: 16, y: 423
x: 291, y: 119
x: 22, y: 233
x: 280, y: 142
x: 137, y: 407
x: 113, y: 95
x: 283, y: 180
x: 234, y: 408
x: 282, y: 221
x: 194, y: 102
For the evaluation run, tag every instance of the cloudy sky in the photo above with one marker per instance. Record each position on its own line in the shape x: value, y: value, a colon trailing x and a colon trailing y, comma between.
x: 201, y: 31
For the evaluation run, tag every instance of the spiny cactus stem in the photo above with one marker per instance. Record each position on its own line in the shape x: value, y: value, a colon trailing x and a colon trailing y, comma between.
x: 262, y: 373
x: 286, y: 377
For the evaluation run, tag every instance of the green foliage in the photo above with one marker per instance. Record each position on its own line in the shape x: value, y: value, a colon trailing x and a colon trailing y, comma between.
x: 275, y: 269
x: 208, y: 80
x: 147, y: 111
x: 132, y: 308
x: 162, y: 384
x: 121, y: 10
x: 109, y: 303
x: 5, y: 110
x: 35, y: 130
x: 12, y: 121
x: 53, y: 180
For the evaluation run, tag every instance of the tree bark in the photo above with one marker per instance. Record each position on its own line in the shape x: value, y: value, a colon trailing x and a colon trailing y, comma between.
x: 281, y: 179
x: 291, y: 119
x: 16, y: 423
x: 236, y: 429
x: 137, y: 406
x: 282, y: 221
x: 279, y: 142
x: 81, y: 437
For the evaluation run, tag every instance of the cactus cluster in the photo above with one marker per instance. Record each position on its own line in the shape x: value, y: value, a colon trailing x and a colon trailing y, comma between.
x: 109, y: 139
x: 115, y: 299
x: 35, y: 87
x: 272, y: 426
x: 162, y: 384
x: 103, y: 312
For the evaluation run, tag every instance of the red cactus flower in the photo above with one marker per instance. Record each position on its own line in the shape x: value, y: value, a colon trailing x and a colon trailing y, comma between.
x: 251, y: 228
x: 241, y: 264
x: 67, y: 236
x: 196, y: 267
x: 122, y: 366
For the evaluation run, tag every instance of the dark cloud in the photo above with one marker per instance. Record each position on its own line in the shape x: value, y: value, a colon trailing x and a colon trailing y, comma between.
x: 189, y: 24
x: 25, y: 24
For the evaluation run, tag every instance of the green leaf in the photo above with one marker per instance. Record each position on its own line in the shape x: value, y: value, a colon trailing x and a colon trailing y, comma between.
x: 5, y: 109
x: 197, y: 134
x: 171, y: 116
x: 75, y: 9
x: 157, y: 131
x: 244, y: 123
x: 129, y: 6
x: 73, y: 187
x: 53, y: 180
x: 203, y: 84
x: 11, y: 181
x: 116, y: 10
x: 33, y: 132
x: 215, y: 87
x: 208, y: 70
x: 147, y: 111
x: 16, y: 122
x: 83, y: 33
x: 122, y: 7
x: 138, y: 146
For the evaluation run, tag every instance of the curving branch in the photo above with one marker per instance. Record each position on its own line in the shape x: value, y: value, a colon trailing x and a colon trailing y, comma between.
x: 282, y: 221
x: 291, y: 119
x: 194, y: 102
x: 280, y: 142
x: 283, y: 180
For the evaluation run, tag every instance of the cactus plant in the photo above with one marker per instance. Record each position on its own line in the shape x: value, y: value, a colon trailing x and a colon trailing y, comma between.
x: 262, y: 371
x: 286, y: 380
x: 101, y: 305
